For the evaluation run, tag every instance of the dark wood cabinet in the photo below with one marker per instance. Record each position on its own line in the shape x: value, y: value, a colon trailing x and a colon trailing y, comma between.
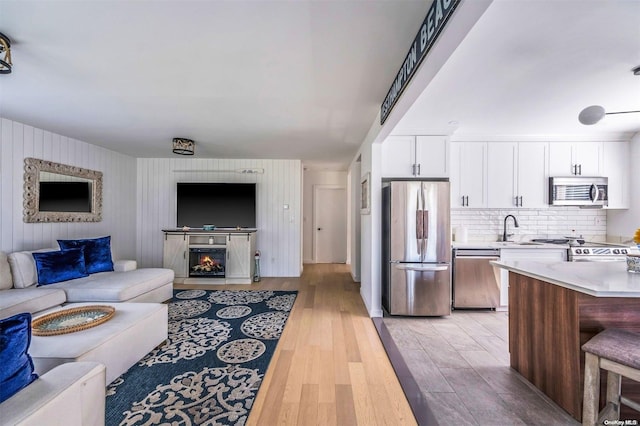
x: 548, y: 324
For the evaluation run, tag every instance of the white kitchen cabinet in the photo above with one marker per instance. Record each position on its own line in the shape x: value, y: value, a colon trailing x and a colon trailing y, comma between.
x: 415, y: 156
x: 468, y: 174
x: 398, y: 153
x: 517, y: 174
x: 575, y: 158
x: 174, y: 254
x: 616, y: 165
x: 240, y: 257
x: 532, y: 176
x: 432, y: 156
x: 502, y: 178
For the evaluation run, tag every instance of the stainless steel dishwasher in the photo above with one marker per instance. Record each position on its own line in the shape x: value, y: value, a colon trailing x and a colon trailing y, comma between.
x: 475, y: 282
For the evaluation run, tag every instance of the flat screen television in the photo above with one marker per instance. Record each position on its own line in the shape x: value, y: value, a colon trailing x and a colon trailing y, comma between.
x: 224, y: 205
x: 65, y: 197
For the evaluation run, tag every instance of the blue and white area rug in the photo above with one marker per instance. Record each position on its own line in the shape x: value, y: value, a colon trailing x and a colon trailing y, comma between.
x: 209, y: 371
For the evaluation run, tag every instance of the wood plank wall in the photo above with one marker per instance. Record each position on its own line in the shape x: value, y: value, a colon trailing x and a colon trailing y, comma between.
x: 139, y: 198
x: 279, y: 236
x: 18, y: 141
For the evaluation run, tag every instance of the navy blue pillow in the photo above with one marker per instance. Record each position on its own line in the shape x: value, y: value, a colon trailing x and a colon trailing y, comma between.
x: 17, y: 366
x: 56, y: 266
x: 97, y: 252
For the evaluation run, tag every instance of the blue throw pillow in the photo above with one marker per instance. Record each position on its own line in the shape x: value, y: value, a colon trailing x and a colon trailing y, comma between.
x: 17, y: 366
x: 97, y: 252
x: 56, y: 266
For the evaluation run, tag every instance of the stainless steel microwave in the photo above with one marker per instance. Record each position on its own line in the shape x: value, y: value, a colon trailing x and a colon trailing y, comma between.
x: 580, y: 191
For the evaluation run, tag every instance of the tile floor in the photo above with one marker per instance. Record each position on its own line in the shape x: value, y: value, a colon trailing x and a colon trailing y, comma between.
x: 460, y: 365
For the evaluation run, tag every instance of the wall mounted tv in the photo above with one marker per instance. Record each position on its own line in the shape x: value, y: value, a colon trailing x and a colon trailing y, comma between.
x: 65, y: 197
x: 225, y: 205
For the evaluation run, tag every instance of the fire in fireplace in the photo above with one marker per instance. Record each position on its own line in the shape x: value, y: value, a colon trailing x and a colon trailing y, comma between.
x: 207, y: 262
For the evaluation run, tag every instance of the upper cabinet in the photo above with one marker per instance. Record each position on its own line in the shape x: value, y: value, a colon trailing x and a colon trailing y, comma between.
x: 432, y: 156
x: 468, y: 174
x: 517, y: 174
x: 533, y: 174
x: 502, y: 174
x: 415, y: 156
x: 616, y: 165
x: 575, y: 158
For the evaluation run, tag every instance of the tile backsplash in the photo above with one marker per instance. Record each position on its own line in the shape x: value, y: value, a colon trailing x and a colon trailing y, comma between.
x: 556, y: 222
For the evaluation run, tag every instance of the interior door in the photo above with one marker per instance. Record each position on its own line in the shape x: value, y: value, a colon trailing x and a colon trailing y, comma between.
x: 330, y: 223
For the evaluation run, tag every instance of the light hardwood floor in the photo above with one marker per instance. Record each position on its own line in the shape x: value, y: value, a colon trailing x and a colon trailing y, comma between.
x: 330, y: 367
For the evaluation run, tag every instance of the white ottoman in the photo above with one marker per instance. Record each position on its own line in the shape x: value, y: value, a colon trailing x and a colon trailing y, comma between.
x: 133, y: 331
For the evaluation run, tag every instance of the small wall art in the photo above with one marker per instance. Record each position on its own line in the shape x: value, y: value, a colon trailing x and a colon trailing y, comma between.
x: 365, y: 194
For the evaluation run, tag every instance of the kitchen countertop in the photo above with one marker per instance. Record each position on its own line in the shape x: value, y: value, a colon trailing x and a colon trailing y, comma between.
x: 599, y: 279
x: 507, y: 245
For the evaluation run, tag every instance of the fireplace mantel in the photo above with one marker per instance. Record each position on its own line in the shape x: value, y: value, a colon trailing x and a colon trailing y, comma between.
x: 238, y: 245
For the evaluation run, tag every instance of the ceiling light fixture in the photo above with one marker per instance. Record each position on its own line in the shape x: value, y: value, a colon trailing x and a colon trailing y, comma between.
x: 183, y: 146
x: 594, y: 113
x: 5, y: 54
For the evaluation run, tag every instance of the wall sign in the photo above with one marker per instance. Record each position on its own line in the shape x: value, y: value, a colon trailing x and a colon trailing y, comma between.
x: 436, y: 19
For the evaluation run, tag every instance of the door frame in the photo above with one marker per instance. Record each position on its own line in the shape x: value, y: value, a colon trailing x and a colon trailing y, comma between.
x: 317, y: 187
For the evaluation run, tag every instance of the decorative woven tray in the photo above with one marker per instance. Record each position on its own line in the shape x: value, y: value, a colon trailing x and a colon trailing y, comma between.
x: 71, y: 320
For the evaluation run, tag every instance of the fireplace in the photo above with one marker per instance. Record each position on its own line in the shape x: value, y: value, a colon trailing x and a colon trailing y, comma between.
x: 207, y: 262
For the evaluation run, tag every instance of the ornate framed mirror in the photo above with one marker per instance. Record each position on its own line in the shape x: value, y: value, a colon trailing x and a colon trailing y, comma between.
x: 55, y: 192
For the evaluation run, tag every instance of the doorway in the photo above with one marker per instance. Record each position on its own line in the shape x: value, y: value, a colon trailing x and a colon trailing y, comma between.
x: 330, y: 224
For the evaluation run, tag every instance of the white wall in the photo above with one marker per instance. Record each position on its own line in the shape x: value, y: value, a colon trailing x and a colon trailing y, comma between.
x: 313, y: 178
x: 354, y: 194
x: 370, y: 229
x: 279, y: 229
x: 621, y: 224
x: 465, y: 17
x: 19, y: 141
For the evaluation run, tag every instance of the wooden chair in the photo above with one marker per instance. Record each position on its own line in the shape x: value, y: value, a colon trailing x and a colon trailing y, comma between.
x: 617, y: 352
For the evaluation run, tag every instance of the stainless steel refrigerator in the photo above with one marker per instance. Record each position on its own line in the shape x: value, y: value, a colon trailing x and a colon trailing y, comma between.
x: 416, y: 247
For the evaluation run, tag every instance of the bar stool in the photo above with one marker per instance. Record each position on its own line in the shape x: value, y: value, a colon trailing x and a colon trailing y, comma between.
x: 618, y: 352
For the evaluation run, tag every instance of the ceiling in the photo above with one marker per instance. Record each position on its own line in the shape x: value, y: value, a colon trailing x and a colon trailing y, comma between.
x: 305, y: 79
x: 527, y: 68
x: 244, y: 79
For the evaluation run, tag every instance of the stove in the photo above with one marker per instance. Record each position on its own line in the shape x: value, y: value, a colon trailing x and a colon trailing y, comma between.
x: 593, y: 252
x: 599, y: 253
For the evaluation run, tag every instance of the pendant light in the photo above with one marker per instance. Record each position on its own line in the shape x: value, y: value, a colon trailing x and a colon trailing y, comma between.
x: 594, y: 113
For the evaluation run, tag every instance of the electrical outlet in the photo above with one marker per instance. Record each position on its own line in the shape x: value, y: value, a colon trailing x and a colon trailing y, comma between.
x: 598, y: 221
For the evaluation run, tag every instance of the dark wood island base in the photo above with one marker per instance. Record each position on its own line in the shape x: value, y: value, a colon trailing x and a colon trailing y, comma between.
x: 548, y: 324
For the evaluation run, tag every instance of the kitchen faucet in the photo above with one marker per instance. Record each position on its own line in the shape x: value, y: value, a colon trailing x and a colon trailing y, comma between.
x: 515, y: 222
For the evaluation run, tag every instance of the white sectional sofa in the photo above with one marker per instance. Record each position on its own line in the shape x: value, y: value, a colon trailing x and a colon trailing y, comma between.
x: 71, y: 394
x: 19, y: 291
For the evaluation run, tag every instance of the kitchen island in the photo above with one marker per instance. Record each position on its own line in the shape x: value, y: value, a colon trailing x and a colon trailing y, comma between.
x: 554, y: 308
